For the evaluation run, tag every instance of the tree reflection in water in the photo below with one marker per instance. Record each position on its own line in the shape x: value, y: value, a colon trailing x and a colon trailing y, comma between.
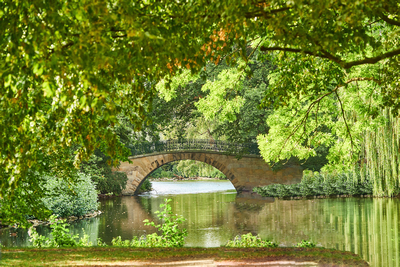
x: 366, y: 226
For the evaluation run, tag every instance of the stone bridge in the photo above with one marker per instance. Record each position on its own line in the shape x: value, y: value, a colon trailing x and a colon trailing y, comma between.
x: 241, y: 163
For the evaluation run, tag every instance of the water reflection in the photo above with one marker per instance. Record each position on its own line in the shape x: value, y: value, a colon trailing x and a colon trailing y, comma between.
x: 368, y: 227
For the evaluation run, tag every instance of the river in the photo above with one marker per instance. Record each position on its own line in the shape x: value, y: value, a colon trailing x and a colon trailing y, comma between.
x: 366, y: 226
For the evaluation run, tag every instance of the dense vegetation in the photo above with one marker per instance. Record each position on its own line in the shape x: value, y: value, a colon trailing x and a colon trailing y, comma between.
x: 321, y: 184
x: 73, y: 75
x: 106, y: 180
x: 66, y: 200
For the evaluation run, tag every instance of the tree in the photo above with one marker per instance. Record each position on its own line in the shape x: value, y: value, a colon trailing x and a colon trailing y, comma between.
x: 65, y: 66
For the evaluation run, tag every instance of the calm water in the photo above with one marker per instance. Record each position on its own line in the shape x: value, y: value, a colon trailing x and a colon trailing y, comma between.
x: 368, y: 227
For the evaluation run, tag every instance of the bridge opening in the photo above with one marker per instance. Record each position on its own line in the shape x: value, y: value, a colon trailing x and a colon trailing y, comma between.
x: 187, y: 169
x: 186, y: 177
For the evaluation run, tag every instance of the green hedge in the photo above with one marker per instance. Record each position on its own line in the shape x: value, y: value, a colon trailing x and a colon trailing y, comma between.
x: 320, y: 184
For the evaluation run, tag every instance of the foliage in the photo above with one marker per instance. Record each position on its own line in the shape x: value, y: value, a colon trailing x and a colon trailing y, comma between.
x: 100, y: 242
x: 192, y: 168
x: 146, y: 186
x: 171, y: 235
x: 15, y: 207
x: 101, y: 173
x: 60, y: 236
x: 187, y: 168
x: 111, y: 183
x: 250, y: 241
x: 148, y: 241
x: 38, y: 241
x: 169, y: 226
x: 69, y: 70
x: 248, y: 120
x: 165, y: 171
x: 306, y: 244
x: 60, y: 233
x: 381, y: 155
x: 65, y: 199
x: 84, y: 241
x: 321, y: 184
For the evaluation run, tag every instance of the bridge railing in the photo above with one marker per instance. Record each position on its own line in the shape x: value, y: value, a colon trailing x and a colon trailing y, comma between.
x: 196, y: 144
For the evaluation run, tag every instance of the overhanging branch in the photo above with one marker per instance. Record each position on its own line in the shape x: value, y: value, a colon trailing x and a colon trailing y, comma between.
x: 389, y: 21
x: 321, y: 54
x: 324, y: 54
x: 303, y: 121
x: 265, y: 14
x: 372, y: 60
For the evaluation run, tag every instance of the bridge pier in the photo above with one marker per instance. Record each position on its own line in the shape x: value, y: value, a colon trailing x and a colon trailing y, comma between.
x: 246, y: 173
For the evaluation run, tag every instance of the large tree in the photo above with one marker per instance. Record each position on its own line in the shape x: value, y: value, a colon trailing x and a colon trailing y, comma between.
x: 65, y: 66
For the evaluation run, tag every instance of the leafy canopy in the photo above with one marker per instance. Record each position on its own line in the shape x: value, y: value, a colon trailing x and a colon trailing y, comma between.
x: 65, y: 66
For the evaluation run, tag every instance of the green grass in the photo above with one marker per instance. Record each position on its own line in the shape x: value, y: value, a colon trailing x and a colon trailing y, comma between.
x: 99, y: 255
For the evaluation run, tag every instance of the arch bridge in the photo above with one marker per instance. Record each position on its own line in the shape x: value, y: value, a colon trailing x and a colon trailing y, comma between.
x: 240, y: 162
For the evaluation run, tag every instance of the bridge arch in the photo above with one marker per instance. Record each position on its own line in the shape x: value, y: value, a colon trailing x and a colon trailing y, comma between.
x: 248, y: 172
x: 207, y: 158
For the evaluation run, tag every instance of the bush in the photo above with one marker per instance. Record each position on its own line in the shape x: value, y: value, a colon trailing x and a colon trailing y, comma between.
x: 306, y: 244
x: 171, y: 235
x: 65, y: 200
x: 146, y: 186
x: 250, y: 241
x: 60, y: 236
x: 107, y: 181
x: 320, y: 184
x: 110, y: 182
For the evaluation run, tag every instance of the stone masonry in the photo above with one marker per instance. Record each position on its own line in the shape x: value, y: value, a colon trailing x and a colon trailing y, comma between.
x: 245, y: 173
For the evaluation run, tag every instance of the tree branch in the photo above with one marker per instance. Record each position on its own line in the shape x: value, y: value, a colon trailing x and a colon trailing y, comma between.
x: 372, y: 60
x: 265, y: 14
x: 318, y: 100
x: 389, y: 21
x: 324, y: 54
x: 345, y: 65
x: 345, y: 122
x: 119, y: 36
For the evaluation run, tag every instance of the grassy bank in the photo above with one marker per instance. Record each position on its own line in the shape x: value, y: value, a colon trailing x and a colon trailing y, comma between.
x: 97, y: 256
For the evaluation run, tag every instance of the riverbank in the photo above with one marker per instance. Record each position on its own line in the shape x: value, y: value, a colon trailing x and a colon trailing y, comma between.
x: 111, y: 256
x: 69, y: 219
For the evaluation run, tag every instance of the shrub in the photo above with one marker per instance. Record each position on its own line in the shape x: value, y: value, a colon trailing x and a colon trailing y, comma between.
x: 110, y: 182
x: 65, y: 200
x: 171, y: 235
x: 146, y: 186
x: 60, y: 236
x: 107, y: 181
x: 320, y: 184
x: 169, y: 227
x: 306, y: 244
x: 250, y: 241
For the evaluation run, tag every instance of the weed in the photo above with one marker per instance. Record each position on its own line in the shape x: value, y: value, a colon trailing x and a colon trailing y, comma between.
x: 306, y: 244
x: 250, y: 241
